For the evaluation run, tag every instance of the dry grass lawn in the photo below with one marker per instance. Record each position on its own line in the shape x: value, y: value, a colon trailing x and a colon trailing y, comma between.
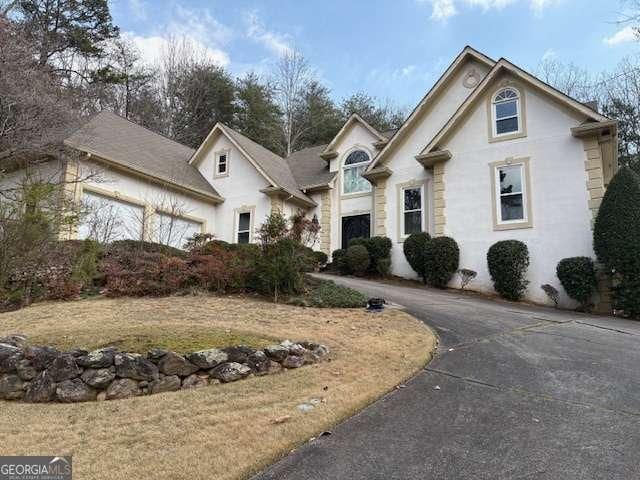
x: 218, y: 432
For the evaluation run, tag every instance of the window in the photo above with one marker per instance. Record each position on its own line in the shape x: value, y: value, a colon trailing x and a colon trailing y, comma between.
x: 222, y: 164
x: 108, y: 219
x: 511, y: 194
x: 412, y: 210
x: 352, y: 179
x: 506, y: 112
x: 355, y: 226
x: 174, y: 230
x: 244, y: 228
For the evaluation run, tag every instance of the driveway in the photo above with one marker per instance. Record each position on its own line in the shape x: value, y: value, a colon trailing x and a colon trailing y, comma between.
x: 514, y: 392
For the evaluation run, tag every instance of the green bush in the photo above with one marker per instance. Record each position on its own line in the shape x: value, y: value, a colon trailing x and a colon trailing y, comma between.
x: 383, y: 267
x: 415, y: 249
x: 278, y: 269
x: 338, y: 262
x: 321, y: 258
x: 508, y: 261
x: 379, y: 248
x: 578, y: 278
x: 442, y: 257
x: 357, y: 259
x: 330, y: 295
x: 616, y: 239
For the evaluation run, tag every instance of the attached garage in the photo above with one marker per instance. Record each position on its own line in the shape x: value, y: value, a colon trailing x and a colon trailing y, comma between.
x: 174, y: 230
x: 107, y: 219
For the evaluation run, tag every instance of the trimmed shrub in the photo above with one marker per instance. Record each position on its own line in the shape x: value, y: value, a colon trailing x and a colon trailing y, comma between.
x: 330, y: 295
x: 578, y: 278
x: 508, y: 261
x: 338, y: 263
x: 321, y: 258
x: 442, y: 257
x: 357, y: 259
x: 616, y: 234
x: 626, y: 295
x: 379, y: 248
x: 383, y: 267
x: 415, y: 249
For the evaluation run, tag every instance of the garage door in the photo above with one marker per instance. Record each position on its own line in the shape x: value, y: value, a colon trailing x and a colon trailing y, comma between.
x: 174, y: 230
x: 108, y: 219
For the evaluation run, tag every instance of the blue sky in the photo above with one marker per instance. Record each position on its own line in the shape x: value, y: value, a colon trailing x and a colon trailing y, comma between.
x: 390, y: 49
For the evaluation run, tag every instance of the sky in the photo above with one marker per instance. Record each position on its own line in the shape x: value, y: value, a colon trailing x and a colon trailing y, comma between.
x: 392, y: 50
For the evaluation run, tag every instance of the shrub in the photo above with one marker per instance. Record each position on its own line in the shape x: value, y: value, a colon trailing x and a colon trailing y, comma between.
x: 551, y: 292
x: 221, y: 270
x: 321, y: 258
x: 308, y: 259
x: 338, y: 262
x: 508, y: 261
x: 330, y: 295
x: 149, y: 247
x: 415, y: 248
x: 383, y: 267
x: 578, y: 278
x: 278, y: 269
x: 466, y: 277
x: 379, y: 248
x: 442, y: 257
x: 357, y: 259
x: 616, y: 239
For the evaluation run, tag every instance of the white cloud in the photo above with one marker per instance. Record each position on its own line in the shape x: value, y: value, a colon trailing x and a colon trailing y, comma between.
x: 441, y: 10
x: 626, y: 35
x: 539, y: 5
x: 549, y: 54
x: 273, y: 41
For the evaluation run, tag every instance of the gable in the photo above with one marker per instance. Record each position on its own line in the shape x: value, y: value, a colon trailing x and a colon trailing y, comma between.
x: 354, y: 121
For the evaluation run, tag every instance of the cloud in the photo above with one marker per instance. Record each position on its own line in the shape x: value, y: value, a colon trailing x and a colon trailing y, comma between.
x: 549, y: 55
x: 273, y: 41
x: 626, y: 35
x: 197, y: 27
x: 441, y: 10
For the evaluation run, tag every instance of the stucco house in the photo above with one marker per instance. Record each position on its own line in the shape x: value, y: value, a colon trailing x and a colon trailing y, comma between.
x: 490, y: 153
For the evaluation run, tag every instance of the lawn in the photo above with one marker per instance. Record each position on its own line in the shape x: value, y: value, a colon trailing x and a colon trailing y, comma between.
x: 222, y: 431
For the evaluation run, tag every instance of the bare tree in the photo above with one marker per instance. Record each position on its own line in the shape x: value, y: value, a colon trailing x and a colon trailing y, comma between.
x: 291, y: 79
x: 568, y: 78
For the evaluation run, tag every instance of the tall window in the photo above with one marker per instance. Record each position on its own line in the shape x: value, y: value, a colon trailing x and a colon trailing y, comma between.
x: 506, y: 112
x: 412, y: 215
x: 511, y: 194
x: 243, y: 234
x: 352, y: 170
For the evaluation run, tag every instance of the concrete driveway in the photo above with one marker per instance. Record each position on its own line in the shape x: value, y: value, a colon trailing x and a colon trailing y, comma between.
x: 514, y: 392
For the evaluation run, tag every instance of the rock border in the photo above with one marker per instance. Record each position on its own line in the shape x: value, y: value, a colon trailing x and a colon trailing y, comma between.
x: 41, y: 374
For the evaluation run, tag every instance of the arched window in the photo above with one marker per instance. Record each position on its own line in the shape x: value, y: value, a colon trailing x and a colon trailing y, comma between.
x: 352, y: 170
x: 506, y: 112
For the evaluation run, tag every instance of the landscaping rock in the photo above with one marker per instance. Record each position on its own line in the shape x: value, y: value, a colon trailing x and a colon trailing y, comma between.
x: 7, y: 350
x: 102, y: 358
x: 155, y: 354
x: 258, y: 362
x: 26, y: 371
x: 206, y: 359
x: 11, y: 387
x: 78, y: 352
x: 194, y: 381
x: 293, y: 361
x: 16, y: 340
x: 230, y: 372
x: 170, y: 383
x: 277, y: 352
x: 64, y: 367
x: 122, y: 388
x: 174, y: 364
x: 41, y: 389
x: 75, y: 390
x: 135, y: 366
x: 41, y: 357
x: 274, y: 367
x: 10, y: 364
x: 99, y: 378
x: 321, y: 350
x: 297, y: 350
x: 238, y: 354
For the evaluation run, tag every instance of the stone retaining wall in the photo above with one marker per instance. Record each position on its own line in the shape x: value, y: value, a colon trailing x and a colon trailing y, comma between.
x: 44, y: 374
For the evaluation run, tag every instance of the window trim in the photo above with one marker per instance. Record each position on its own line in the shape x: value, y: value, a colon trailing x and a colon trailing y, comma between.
x: 251, y: 210
x: 401, y: 187
x: 216, y: 163
x: 498, y: 223
x: 343, y: 167
x: 521, y: 114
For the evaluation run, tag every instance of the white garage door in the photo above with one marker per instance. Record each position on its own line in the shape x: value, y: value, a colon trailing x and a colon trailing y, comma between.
x: 175, y: 231
x: 108, y: 219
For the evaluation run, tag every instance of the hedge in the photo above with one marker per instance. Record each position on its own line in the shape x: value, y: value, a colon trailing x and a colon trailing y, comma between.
x: 508, y: 261
x: 578, y: 278
x: 357, y: 259
x: 415, y: 250
x: 442, y: 257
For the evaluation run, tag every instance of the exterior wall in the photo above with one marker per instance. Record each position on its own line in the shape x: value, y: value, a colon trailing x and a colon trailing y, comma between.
x: 561, y: 218
x: 240, y: 189
x: 405, y: 167
x: 143, y: 192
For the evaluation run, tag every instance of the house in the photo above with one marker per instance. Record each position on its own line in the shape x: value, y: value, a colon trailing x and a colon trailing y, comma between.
x: 490, y: 153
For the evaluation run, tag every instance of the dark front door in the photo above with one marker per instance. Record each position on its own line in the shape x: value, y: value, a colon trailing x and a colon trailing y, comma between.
x: 355, y: 226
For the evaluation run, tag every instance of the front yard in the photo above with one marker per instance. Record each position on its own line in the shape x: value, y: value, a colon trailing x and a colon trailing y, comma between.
x: 224, y: 431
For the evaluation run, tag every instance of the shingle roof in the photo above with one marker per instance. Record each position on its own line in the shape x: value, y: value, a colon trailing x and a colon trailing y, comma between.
x: 273, y: 165
x: 308, y: 168
x: 122, y: 142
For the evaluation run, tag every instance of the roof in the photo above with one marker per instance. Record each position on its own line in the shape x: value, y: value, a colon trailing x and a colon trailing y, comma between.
x: 466, y: 53
x: 119, y: 141
x: 309, y: 169
x: 503, y: 65
x: 352, y: 119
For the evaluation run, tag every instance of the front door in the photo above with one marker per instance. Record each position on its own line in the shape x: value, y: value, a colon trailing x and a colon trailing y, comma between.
x: 355, y: 226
